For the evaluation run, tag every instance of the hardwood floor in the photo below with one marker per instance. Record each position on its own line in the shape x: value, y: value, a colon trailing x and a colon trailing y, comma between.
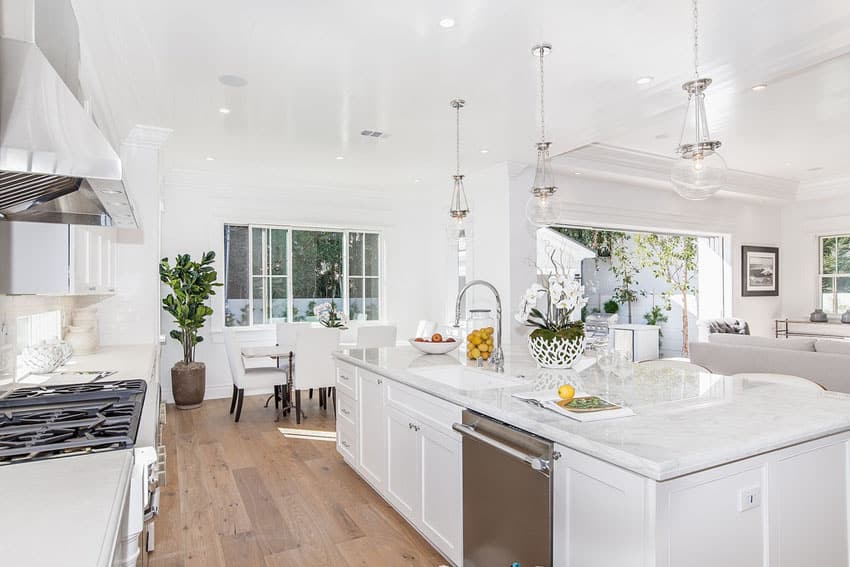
x: 243, y: 494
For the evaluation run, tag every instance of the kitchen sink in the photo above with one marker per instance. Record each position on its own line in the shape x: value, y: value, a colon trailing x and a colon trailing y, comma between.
x: 463, y: 378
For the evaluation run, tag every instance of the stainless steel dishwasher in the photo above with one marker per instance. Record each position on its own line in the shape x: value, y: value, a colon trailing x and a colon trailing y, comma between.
x: 507, y: 494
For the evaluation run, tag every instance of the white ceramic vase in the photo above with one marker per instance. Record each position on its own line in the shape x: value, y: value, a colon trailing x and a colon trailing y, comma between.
x: 556, y: 352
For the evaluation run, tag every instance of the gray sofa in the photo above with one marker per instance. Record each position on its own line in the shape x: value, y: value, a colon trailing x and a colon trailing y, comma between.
x: 825, y: 361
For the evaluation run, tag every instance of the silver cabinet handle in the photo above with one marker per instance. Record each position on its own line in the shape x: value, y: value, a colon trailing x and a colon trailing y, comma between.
x: 344, y: 377
x: 380, y: 381
x: 536, y: 463
x: 344, y: 411
x: 345, y: 444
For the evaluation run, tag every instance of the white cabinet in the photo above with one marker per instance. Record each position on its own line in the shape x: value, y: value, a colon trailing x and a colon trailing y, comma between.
x: 402, y: 464
x: 93, y: 259
x: 400, y: 440
x: 371, y: 430
x: 55, y: 259
x: 636, y: 342
x: 441, y: 482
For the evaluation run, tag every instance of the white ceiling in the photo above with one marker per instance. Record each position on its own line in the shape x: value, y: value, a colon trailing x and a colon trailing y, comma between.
x: 319, y: 72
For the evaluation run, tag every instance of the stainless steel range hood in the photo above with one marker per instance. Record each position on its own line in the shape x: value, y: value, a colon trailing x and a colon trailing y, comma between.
x: 55, y: 164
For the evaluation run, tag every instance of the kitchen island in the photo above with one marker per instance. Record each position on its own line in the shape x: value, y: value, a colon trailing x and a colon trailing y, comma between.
x: 710, y: 470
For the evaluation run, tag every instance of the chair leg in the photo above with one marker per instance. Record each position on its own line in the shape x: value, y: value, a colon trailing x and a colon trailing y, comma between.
x: 311, y: 393
x: 333, y: 393
x: 298, y: 406
x: 233, y: 399
x: 239, y: 403
x: 277, y: 397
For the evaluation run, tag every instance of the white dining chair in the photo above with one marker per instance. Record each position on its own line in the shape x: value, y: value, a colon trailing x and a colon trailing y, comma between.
x: 783, y: 379
x: 247, y: 377
x: 376, y: 336
x: 314, y: 366
x: 285, y: 333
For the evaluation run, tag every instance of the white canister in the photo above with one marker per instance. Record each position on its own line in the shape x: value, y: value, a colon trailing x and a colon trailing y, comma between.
x: 83, y: 339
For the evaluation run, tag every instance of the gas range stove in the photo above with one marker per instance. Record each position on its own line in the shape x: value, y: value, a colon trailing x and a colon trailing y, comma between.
x: 46, y: 422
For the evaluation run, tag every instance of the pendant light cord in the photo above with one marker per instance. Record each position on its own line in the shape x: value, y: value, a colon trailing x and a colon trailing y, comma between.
x: 457, y: 140
x: 542, y: 108
x: 696, y: 39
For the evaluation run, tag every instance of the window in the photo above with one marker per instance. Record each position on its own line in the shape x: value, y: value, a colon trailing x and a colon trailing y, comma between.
x: 835, y: 273
x: 275, y: 274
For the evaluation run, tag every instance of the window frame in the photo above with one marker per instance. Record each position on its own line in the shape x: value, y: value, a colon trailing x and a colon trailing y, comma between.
x: 833, y: 308
x: 344, y: 284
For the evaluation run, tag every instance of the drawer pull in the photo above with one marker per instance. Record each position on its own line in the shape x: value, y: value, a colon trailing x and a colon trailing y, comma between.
x: 344, y: 377
x: 344, y: 411
x: 345, y: 444
x: 380, y: 381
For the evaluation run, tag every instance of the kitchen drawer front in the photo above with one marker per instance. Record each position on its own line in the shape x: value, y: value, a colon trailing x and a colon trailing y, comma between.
x: 346, y: 408
x: 346, y: 379
x: 346, y: 441
x: 438, y: 413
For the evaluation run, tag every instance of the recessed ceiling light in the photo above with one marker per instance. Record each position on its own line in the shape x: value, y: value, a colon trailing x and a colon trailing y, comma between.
x: 340, y: 157
x: 485, y: 151
x: 787, y: 164
x: 210, y: 158
x: 645, y: 80
x: 662, y: 136
x: 232, y: 80
x: 815, y: 169
x: 447, y: 23
x: 224, y: 110
x: 578, y: 173
x: 416, y: 180
x: 759, y: 87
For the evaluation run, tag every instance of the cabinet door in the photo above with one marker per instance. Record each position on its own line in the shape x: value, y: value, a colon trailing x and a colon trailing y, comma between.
x: 85, y: 254
x: 372, y: 438
x: 108, y: 258
x: 33, y: 258
x: 441, y: 490
x: 402, y: 463
x: 599, y: 513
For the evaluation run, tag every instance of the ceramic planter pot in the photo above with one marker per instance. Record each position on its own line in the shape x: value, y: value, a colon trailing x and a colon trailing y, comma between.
x: 818, y: 316
x: 845, y: 317
x: 188, y: 383
x: 555, y: 352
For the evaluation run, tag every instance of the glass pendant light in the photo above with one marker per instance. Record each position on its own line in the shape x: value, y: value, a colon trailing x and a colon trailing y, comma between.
x: 541, y: 209
x: 460, y: 207
x: 699, y: 171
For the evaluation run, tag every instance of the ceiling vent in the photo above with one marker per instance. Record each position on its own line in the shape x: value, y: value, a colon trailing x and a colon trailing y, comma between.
x: 372, y: 134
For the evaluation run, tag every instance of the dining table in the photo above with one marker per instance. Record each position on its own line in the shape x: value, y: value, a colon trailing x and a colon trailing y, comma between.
x: 278, y: 352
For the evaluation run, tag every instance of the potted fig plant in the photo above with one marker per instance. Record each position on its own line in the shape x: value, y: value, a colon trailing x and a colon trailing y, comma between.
x: 192, y: 283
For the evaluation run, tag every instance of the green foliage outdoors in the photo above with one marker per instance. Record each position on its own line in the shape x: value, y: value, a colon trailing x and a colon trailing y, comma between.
x: 192, y: 283
x: 611, y: 307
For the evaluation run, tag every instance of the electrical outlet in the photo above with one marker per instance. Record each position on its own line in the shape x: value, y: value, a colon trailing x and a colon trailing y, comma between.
x: 749, y: 498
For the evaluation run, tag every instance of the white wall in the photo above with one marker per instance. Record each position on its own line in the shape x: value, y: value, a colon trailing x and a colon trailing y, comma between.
x: 196, y: 206
x: 802, y: 223
x: 586, y: 201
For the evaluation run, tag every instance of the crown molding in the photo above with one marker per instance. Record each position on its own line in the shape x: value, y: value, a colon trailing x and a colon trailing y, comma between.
x: 653, y: 170
x: 141, y: 136
x: 836, y: 186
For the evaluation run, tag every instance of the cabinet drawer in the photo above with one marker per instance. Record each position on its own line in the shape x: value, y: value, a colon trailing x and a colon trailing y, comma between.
x: 346, y: 408
x: 346, y: 379
x: 439, y: 413
x: 346, y: 441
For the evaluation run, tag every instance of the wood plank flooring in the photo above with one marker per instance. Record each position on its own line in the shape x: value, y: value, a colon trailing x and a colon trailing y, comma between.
x: 243, y: 494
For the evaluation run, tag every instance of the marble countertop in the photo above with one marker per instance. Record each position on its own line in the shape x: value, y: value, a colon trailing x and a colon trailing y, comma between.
x: 63, y: 511
x: 684, y: 422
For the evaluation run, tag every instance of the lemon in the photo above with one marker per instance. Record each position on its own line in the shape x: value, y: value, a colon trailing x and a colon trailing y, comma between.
x: 566, y: 392
x: 475, y: 353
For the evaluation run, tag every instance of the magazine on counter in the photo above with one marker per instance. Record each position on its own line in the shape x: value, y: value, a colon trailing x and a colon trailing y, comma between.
x: 582, y: 407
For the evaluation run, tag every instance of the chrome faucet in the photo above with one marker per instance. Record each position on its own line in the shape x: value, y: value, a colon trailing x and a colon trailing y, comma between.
x: 498, y: 356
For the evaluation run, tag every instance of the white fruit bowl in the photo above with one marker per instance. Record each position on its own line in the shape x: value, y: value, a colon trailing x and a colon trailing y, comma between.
x: 434, y: 348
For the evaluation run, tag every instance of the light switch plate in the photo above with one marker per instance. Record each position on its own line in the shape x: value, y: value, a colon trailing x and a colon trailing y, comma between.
x: 749, y: 498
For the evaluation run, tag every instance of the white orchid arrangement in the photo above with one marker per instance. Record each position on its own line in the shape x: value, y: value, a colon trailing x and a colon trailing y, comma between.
x: 563, y: 296
x: 330, y: 317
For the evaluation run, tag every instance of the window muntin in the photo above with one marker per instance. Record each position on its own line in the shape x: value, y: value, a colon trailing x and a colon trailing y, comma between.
x: 834, y: 278
x: 291, y: 270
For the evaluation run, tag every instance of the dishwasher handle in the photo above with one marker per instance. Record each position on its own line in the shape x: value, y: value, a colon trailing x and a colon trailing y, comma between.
x: 536, y: 463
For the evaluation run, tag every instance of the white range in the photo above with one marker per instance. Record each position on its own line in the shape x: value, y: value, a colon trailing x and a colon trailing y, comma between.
x: 95, y: 509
